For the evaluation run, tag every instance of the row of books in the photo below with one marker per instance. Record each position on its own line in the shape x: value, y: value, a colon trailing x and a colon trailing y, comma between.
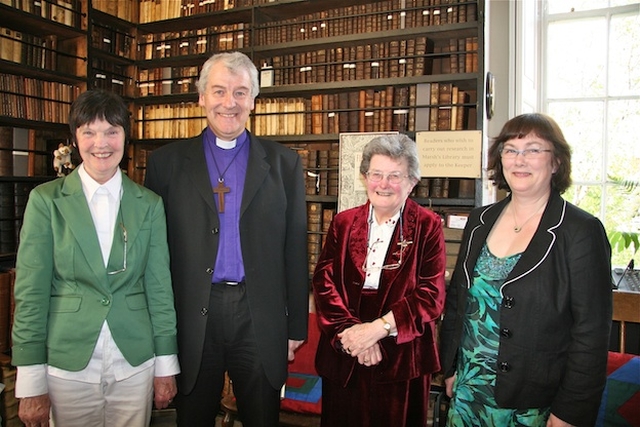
x: 375, y: 15
x: 396, y: 58
x: 392, y: 59
x: 319, y: 217
x: 154, y: 10
x: 28, y: 49
x: 123, y: 9
x: 167, y: 80
x: 321, y: 168
x: 35, y: 99
x: 112, y: 40
x: 111, y: 76
x: 13, y: 200
x: 444, y: 188
x: 182, y: 120
x: 448, y: 107
x: 400, y: 58
x: 158, y: 10
x: 137, y: 163
x: 194, y: 42
x: 366, y: 18
x: 427, y: 106
x: 65, y: 12
x: 462, y: 54
x: 6, y: 151
x: 357, y: 111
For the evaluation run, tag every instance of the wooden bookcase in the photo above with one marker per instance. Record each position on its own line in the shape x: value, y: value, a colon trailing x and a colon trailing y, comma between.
x: 43, y: 65
x: 330, y: 66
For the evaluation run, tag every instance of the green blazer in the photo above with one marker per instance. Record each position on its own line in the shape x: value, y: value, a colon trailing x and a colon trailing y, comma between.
x: 63, y: 292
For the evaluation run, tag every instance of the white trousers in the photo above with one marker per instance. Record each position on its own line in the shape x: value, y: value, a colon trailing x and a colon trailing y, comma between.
x: 111, y: 403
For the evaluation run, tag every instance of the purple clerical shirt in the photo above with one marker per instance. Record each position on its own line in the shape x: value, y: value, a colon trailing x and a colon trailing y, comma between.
x: 229, y: 264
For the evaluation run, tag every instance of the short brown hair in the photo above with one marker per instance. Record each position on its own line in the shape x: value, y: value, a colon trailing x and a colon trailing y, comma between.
x: 543, y: 127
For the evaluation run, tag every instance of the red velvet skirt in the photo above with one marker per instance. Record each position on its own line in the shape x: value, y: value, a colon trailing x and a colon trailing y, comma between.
x: 366, y: 403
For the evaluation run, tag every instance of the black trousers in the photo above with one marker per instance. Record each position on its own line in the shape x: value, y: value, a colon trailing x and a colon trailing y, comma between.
x: 230, y: 345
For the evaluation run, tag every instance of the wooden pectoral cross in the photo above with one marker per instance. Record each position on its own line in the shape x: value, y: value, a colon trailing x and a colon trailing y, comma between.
x: 220, y: 190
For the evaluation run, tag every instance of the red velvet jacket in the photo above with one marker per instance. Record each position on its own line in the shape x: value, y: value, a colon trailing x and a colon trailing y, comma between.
x: 415, y: 293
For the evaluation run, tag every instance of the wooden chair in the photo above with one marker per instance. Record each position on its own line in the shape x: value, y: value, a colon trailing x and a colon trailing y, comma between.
x: 626, y: 308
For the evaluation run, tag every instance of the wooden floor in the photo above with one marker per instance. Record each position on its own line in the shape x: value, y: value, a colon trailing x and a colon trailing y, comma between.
x: 167, y: 418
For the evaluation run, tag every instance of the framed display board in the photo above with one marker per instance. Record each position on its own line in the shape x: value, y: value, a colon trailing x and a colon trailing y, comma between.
x: 352, y: 191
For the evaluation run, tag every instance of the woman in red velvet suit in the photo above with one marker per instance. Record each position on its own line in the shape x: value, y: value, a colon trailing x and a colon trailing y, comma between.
x: 379, y: 288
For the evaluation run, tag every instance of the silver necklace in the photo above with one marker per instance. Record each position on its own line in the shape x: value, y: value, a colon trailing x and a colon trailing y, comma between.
x: 517, y: 228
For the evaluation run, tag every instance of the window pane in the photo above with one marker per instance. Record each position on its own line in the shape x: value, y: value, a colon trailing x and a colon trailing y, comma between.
x: 577, y: 55
x: 582, y: 126
x: 622, y: 141
x: 621, y: 214
x: 622, y: 2
x: 624, y: 65
x: 587, y: 197
x: 564, y: 6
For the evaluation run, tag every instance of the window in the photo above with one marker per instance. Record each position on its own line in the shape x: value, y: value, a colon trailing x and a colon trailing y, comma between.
x: 591, y: 87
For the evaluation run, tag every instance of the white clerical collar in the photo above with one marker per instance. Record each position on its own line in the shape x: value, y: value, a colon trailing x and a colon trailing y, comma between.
x: 226, y: 145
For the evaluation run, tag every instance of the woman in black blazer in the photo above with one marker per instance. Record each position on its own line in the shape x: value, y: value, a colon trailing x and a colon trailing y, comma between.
x: 528, y: 312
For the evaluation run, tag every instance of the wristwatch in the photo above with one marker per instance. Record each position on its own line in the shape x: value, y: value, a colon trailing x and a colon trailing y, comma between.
x: 386, y: 325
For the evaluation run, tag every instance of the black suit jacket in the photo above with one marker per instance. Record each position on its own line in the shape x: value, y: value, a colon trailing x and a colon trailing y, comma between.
x: 555, y: 315
x: 273, y: 235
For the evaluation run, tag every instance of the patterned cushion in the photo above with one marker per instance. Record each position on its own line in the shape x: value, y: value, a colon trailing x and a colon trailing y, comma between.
x: 303, y: 392
x: 621, y: 397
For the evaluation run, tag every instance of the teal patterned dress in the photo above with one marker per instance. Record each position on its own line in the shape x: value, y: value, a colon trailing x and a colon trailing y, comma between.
x: 473, y: 402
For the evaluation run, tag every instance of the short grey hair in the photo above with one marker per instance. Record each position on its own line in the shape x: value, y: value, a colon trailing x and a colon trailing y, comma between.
x: 235, y: 63
x: 397, y: 147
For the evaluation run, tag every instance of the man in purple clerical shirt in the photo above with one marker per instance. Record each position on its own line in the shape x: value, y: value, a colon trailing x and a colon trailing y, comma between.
x: 236, y: 220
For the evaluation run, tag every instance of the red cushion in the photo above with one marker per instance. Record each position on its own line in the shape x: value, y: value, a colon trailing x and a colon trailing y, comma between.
x: 304, y: 362
x: 304, y: 387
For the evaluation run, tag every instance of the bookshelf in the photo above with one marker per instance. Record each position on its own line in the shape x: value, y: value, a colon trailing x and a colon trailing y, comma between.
x: 334, y: 66
x: 43, y: 63
x: 329, y: 67
x: 111, y: 53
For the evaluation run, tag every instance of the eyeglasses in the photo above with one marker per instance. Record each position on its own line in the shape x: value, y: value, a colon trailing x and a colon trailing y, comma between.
x: 124, y: 256
x: 403, y: 244
x: 529, y: 153
x: 392, y: 178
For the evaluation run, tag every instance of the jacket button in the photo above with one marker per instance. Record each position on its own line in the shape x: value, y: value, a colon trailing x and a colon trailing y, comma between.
x: 209, y: 270
x: 105, y: 301
x: 204, y: 311
x: 215, y: 231
x: 508, y: 302
x: 504, y: 367
x: 505, y: 332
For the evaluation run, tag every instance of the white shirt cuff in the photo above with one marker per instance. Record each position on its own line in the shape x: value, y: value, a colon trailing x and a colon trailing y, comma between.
x: 167, y: 365
x: 31, y: 381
